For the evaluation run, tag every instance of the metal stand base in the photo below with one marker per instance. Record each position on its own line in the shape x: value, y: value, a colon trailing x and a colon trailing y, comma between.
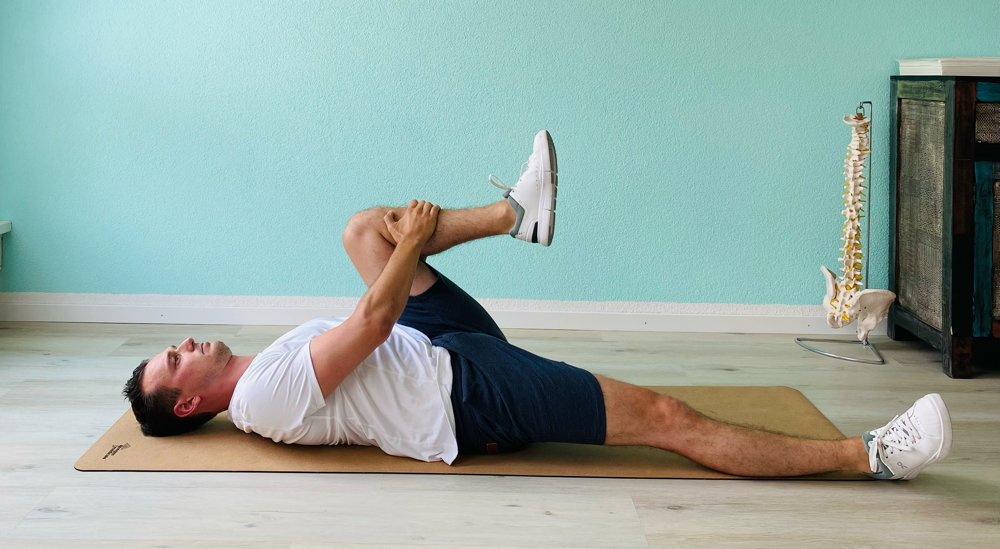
x: 867, y: 345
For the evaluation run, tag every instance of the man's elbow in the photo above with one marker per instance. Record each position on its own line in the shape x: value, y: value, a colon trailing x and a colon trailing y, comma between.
x: 384, y: 330
x: 379, y: 326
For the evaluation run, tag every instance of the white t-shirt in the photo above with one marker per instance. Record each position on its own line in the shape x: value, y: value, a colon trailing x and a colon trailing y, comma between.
x: 398, y: 399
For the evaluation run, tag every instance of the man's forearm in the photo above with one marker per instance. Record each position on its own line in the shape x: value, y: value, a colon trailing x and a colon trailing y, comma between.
x: 385, y: 300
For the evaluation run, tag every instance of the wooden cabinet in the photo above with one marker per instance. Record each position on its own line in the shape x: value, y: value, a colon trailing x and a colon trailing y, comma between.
x: 945, y: 211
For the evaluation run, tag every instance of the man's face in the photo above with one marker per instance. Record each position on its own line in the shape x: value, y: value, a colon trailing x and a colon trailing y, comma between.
x: 191, y: 367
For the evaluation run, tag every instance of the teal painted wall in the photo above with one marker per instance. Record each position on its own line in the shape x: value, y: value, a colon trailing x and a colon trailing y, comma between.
x: 218, y: 148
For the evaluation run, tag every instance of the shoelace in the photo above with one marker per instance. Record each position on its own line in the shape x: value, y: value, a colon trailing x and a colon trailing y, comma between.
x: 899, y: 435
x: 501, y: 184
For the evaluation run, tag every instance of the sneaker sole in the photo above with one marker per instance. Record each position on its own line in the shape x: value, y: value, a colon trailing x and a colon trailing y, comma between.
x: 945, y: 448
x: 546, y: 226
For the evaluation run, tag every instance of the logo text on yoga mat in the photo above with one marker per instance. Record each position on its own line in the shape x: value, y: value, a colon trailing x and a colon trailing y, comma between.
x: 114, y: 450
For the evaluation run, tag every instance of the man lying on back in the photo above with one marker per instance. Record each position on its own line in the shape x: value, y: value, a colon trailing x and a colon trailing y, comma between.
x: 421, y: 370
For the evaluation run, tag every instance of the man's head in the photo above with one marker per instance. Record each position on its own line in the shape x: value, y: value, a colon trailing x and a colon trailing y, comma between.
x: 177, y: 390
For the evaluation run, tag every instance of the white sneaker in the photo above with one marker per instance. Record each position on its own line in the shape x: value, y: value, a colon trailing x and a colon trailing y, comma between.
x: 534, y: 196
x: 910, y: 442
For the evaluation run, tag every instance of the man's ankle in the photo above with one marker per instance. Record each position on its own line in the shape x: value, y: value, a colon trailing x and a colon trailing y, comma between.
x: 508, y: 216
x: 856, y: 447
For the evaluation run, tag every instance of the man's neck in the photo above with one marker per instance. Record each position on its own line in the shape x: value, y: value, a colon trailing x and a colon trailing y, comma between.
x: 234, y: 369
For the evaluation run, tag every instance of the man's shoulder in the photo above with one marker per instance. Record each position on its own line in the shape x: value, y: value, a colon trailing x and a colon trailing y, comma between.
x: 277, y: 390
x: 286, y: 360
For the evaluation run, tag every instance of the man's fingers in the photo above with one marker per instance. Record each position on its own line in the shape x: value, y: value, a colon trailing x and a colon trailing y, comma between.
x: 422, y: 207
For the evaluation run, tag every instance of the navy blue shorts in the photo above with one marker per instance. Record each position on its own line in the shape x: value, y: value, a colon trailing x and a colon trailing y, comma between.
x: 504, y: 397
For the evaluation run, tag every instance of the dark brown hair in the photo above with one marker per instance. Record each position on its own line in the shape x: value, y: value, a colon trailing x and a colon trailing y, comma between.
x: 155, y: 411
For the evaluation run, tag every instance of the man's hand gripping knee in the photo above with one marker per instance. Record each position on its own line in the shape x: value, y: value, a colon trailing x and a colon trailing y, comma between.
x: 417, y: 223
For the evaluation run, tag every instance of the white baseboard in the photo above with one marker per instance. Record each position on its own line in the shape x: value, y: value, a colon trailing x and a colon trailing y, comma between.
x: 508, y: 313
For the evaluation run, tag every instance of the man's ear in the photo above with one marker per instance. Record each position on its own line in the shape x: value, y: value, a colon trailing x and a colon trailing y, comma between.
x: 187, y: 407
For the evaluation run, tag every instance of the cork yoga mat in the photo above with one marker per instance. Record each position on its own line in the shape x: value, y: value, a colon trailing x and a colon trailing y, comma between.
x: 220, y: 446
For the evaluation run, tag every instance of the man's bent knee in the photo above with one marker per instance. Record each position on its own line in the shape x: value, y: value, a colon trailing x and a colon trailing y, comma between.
x: 363, y: 222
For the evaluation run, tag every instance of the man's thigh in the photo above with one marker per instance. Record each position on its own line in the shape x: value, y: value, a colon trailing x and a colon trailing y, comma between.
x: 445, y: 308
x: 639, y: 416
x: 506, y: 397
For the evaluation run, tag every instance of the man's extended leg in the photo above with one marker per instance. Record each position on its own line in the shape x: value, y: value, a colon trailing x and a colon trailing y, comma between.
x: 369, y: 244
x: 901, y: 449
x: 638, y: 416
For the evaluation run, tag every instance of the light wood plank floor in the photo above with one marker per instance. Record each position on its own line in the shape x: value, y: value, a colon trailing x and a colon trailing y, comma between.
x: 60, y: 387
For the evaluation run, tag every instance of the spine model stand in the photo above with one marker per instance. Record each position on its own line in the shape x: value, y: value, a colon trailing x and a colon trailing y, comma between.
x: 845, y: 301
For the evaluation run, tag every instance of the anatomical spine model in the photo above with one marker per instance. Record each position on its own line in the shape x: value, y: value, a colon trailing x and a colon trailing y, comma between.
x: 845, y: 301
